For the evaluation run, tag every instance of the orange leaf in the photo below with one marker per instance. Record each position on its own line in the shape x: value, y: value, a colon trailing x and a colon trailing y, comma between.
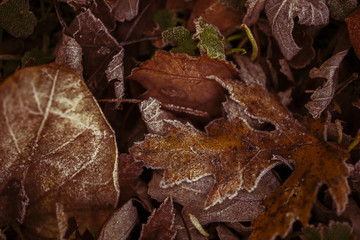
x: 237, y: 156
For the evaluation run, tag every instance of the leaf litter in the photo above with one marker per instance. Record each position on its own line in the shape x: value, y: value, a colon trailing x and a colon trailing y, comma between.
x: 222, y: 157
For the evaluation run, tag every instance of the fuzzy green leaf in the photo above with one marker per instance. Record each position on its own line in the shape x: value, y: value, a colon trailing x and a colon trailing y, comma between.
x: 181, y: 38
x: 211, y: 40
x: 165, y: 19
x: 16, y: 18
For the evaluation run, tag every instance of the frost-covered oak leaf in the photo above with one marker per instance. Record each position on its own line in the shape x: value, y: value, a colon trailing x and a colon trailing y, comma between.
x: 281, y: 14
x: 237, y: 156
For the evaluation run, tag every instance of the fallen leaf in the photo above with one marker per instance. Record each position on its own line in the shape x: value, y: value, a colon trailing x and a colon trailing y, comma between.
x: 115, y: 71
x: 254, y: 8
x: 16, y: 18
x: 322, y: 96
x: 237, y: 157
x: 353, y: 26
x: 180, y: 80
x: 129, y: 172
x: 250, y: 73
x: 286, y: 70
x: 340, y: 9
x: 161, y: 223
x: 121, y: 223
x: 226, y: 19
x: 211, y: 41
x: 13, y: 202
x: 197, y: 10
x: 281, y: 14
x: 69, y: 53
x: 56, y: 140
x: 102, y: 54
x: 245, y: 206
x: 185, y: 229
x: 225, y: 234
x: 123, y: 10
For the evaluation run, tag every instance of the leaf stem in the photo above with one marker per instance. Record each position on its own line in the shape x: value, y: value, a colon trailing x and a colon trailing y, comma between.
x: 355, y: 142
x: 255, y: 48
x: 198, y: 226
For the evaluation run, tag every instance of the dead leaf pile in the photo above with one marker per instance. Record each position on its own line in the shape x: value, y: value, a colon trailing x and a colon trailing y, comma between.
x: 178, y: 119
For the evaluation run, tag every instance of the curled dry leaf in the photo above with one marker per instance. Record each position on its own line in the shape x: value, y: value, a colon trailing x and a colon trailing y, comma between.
x: 254, y: 7
x: 322, y: 96
x: 281, y: 14
x: 161, y: 223
x: 57, y: 142
x: 237, y: 157
x: 69, y: 53
x: 121, y: 223
x: 123, y: 9
x: 250, y: 73
x: 102, y: 54
x: 180, y: 80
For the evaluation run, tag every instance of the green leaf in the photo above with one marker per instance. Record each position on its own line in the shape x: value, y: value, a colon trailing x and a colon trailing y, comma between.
x: 211, y: 40
x: 181, y: 38
x: 335, y: 230
x: 340, y: 9
x: 16, y: 18
x: 165, y: 19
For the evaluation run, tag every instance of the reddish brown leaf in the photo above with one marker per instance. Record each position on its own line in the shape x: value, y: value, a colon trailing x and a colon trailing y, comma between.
x: 129, y: 172
x: 237, y: 156
x: 322, y: 96
x: 57, y: 141
x: 180, y: 80
x: 121, y: 223
x: 161, y: 223
x: 13, y: 202
x: 353, y: 24
x: 227, y: 20
x: 254, y: 7
x: 225, y: 234
x: 245, y: 206
x: 123, y: 9
x: 281, y: 13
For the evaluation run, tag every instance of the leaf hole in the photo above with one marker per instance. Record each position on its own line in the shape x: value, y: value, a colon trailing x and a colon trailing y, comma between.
x: 283, y: 172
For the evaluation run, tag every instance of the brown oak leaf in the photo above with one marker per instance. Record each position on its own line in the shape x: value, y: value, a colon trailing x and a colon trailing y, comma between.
x: 281, y: 13
x: 58, y: 145
x: 161, y: 223
x: 237, y: 156
x: 180, y: 80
